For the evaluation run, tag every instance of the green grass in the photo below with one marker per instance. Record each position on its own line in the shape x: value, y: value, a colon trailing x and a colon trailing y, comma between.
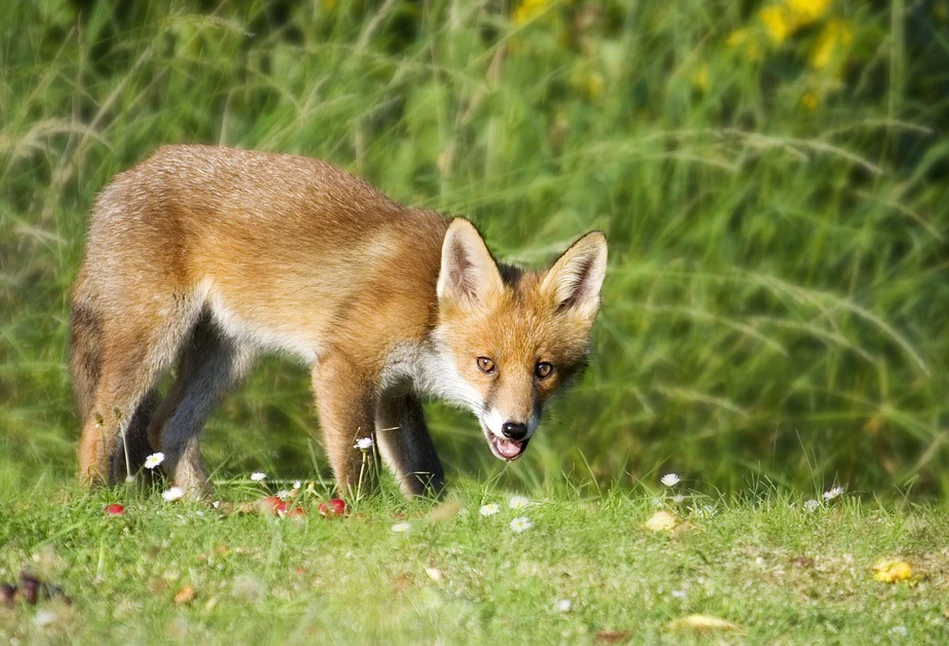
x: 774, y: 312
x: 776, y: 299
x: 781, y: 573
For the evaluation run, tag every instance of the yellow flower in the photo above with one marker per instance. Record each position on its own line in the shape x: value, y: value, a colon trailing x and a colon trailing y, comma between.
x: 940, y: 11
x: 528, y: 9
x: 836, y: 35
x: 736, y: 37
x: 777, y: 23
x: 595, y: 85
x: 700, y: 77
x: 892, y: 570
x: 806, y: 12
x: 743, y: 38
x: 810, y: 101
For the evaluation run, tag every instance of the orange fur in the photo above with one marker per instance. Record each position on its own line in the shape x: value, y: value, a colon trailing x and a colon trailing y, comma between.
x: 206, y: 256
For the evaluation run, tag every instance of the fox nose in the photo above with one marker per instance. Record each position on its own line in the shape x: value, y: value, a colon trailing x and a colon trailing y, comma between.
x: 514, y: 430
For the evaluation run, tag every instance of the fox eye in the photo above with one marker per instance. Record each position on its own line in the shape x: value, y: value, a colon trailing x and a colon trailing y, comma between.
x: 486, y: 365
x: 543, y: 369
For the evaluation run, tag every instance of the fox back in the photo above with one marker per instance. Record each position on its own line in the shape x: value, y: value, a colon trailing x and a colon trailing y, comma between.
x: 202, y: 258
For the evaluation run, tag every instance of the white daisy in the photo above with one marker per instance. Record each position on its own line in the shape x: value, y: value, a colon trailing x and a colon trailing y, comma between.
x: 284, y: 494
x: 401, y: 528
x: 363, y: 444
x: 296, y: 485
x: 173, y: 494
x: 678, y: 499
x: 811, y: 505
x: 490, y: 509
x: 521, y: 524
x: 833, y: 493
x: 154, y: 460
x: 519, y: 502
x: 670, y: 479
x: 258, y: 476
x: 564, y: 605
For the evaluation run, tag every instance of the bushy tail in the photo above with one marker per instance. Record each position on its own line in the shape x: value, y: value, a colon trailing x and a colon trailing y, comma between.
x: 85, y: 360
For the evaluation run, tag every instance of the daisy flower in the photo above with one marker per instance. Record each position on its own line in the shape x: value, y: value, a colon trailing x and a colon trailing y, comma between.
x: 154, y: 460
x: 521, y: 524
x: 173, y: 494
x: 296, y: 485
x: 811, y: 505
x: 678, y: 499
x: 258, y: 476
x: 564, y: 605
x: 363, y: 444
x: 284, y: 494
x: 401, y: 528
x: 490, y: 509
x: 833, y: 493
x: 519, y: 502
x: 670, y: 479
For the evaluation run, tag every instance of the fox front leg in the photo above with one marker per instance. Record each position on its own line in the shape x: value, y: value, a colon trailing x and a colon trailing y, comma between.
x: 346, y: 405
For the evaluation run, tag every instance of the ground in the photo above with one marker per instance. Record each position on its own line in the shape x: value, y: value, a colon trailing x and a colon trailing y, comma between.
x: 595, y: 568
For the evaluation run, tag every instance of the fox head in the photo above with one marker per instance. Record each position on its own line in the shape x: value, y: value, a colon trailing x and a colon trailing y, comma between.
x: 511, y: 338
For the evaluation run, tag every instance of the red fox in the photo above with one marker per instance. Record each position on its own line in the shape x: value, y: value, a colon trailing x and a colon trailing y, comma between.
x: 206, y: 256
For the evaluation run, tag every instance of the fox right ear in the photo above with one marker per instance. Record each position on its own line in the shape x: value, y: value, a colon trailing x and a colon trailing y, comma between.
x: 468, y: 272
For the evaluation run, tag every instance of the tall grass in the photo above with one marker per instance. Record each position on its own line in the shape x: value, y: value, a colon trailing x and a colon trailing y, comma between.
x: 776, y: 302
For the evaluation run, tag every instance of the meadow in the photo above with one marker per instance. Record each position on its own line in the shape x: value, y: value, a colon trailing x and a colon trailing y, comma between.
x: 772, y: 179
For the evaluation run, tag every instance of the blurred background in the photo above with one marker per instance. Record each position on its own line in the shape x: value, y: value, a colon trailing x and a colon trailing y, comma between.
x: 773, y: 177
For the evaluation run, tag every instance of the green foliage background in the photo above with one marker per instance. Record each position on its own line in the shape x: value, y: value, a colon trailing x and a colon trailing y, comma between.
x: 776, y: 302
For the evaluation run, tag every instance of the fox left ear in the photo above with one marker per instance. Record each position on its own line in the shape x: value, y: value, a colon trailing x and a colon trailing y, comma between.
x: 574, y: 281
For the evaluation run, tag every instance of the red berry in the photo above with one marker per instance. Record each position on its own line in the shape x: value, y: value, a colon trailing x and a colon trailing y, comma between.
x: 277, y: 506
x: 334, y: 507
x: 115, y: 509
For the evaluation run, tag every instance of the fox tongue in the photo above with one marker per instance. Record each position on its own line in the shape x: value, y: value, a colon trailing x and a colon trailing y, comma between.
x: 507, y: 448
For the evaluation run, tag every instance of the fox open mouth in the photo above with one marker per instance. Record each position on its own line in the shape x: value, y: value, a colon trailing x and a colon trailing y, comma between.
x: 503, y: 448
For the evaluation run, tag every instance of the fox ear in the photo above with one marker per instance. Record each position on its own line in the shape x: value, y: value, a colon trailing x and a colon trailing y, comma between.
x: 574, y: 281
x: 468, y: 272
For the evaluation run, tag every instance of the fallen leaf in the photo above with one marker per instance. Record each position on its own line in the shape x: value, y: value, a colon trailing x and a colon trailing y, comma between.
x: 701, y: 624
x: 184, y: 595
x: 683, y: 527
x: 402, y: 582
x: 444, y: 511
x: 662, y: 521
x: 892, y: 570
x: 613, y: 636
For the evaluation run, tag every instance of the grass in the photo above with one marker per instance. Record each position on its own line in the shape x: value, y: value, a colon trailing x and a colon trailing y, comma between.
x: 779, y: 572
x: 774, y: 312
x: 775, y: 303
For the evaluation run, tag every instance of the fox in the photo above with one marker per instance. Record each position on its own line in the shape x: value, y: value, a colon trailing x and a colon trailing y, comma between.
x: 201, y: 258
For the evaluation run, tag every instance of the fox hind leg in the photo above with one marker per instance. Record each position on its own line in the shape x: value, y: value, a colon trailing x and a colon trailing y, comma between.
x: 115, y: 373
x: 209, y: 366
